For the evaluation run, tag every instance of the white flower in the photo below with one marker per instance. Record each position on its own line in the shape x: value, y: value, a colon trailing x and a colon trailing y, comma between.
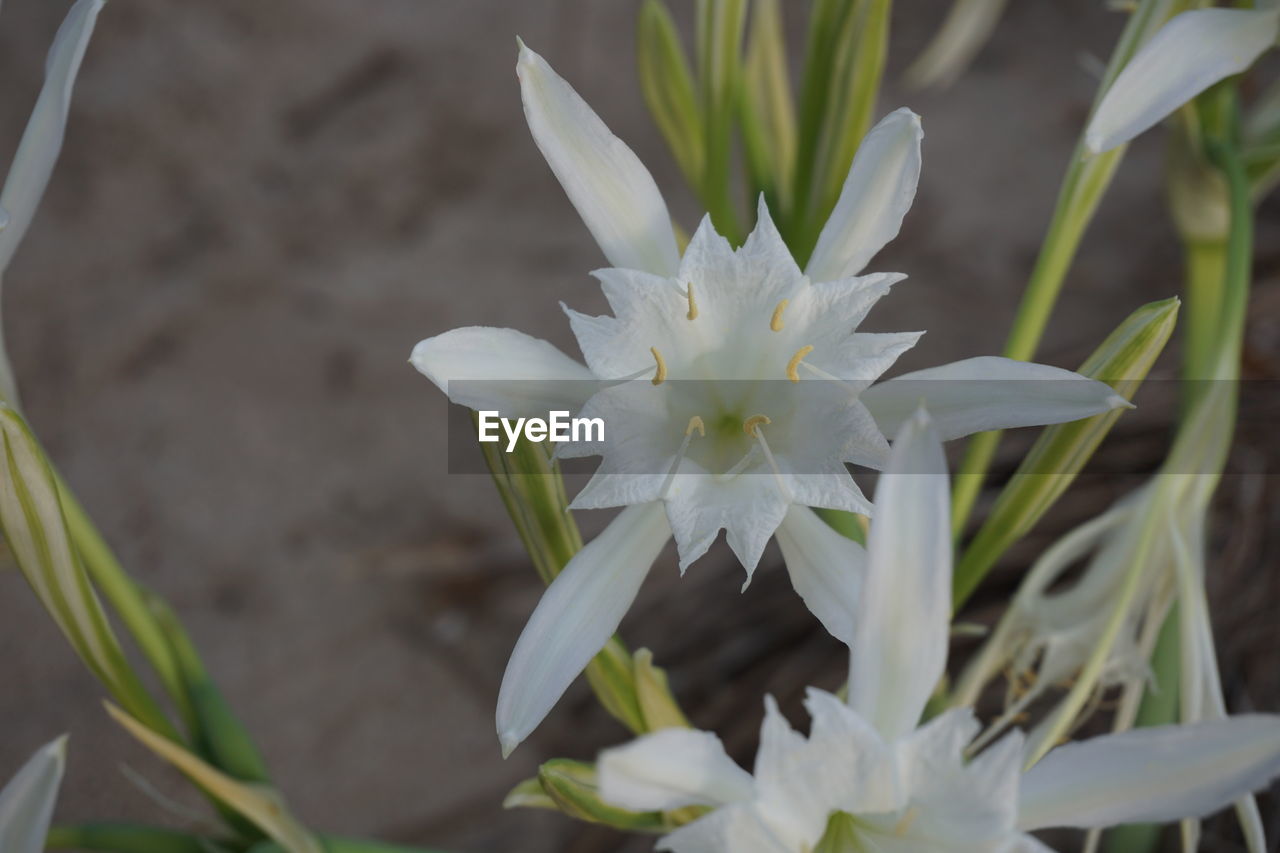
x: 698, y: 376
x: 1187, y: 55
x: 26, y: 802
x: 910, y: 788
x: 38, y: 151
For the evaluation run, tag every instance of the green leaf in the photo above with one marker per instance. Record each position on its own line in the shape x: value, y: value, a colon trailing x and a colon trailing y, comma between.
x: 766, y: 112
x: 1122, y: 361
x: 667, y: 84
x: 220, y: 737
x: 259, y: 804
x: 104, y: 837
x: 720, y: 28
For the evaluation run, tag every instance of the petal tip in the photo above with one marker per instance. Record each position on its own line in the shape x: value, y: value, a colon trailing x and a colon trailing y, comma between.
x: 1115, y: 401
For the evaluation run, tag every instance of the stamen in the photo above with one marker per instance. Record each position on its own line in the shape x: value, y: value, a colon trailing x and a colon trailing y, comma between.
x: 751, y: 426
x: 661, y: 375
x: 693, y: 305
x: 794, y: 365
x: 775, y: 322
x: 904, y: 824
x: 741, y: 464
x: 695, y: 423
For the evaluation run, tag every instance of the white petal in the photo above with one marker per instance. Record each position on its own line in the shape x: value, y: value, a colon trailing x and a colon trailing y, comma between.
x: 826, y: 568
x: 482, y: 367
x: 42, y: 140
x: 876, y: 196
x: 1151, y: 775
x: 614, y: 193
x: 979, y: 394
x: 733, y: 829
x: 26, y: 803
x: 671, y: 769
x: 1187, y: 55
x: 900, y: 642
x: 575, y: 618
x: 800, y: 781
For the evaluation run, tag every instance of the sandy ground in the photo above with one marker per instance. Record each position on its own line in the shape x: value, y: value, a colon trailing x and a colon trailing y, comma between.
x: 262, y: 206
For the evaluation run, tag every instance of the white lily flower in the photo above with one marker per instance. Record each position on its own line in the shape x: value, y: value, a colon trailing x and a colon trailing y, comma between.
x: 733, y: 385
x: 26, y: 802
x: 1190, y: 53
x: 41, y: 142
x: 910, y: 788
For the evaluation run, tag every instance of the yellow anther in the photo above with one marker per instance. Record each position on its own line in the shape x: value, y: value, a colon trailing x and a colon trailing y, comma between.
x: 753, y: 423
x: 661, y: 375
x: 695, y: 422
x: 775, y: 322
x: 793, y: 366
x: 693, y: 305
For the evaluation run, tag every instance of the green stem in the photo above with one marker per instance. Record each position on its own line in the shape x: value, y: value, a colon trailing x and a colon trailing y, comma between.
x: 1083, y: 186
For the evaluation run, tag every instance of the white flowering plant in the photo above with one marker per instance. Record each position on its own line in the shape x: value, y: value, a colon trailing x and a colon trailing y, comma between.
x: 731, y: 387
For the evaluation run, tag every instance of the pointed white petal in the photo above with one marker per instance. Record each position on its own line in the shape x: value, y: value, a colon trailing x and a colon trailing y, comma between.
x: 826, y: 568
x: 26, y: 802
x: 900, y: 641
x: 575, y: 618
x: 42, y: 140
x: 614, y: 193
x: 481, y: 367
x: 1187, y: 55
x: 1151, y: 775
x: 876, y: 196
x: 671, y: 769
x: 979, y: 394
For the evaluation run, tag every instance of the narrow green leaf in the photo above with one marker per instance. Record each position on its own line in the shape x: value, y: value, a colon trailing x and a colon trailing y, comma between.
x: 858, y: 67
x: 667, y: 84
x: 219, y: 736
x: 721, y: 24
x: 259, y: 804
x: 1122, y: 361
x: 128, y: 838
x: 766, y: 111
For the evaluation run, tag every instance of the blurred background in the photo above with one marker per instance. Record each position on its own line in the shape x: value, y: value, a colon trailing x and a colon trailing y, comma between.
x: 261, y: 207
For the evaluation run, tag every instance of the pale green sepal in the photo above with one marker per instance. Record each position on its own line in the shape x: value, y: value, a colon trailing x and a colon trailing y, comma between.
x: 653, y: 694
x: 841, y: 835
x: 1122, y: 361
x: 34, y: 527
x: 529, y: 794
x: 572, y: 786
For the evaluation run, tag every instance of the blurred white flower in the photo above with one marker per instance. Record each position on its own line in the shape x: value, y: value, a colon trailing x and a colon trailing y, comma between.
x: 38, y: 151
x: 1190, y: 53
x: 901, y: 786
x: 732, y: 383
x: 26, y: 802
